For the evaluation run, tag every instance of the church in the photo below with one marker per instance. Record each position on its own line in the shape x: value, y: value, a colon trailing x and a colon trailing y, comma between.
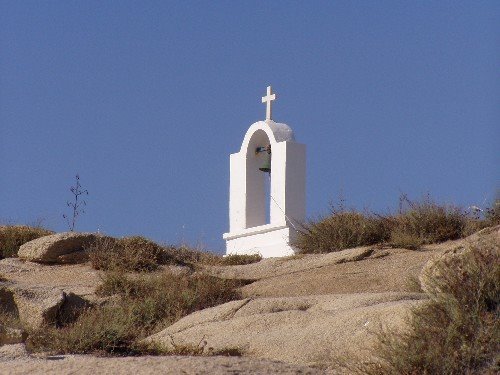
x: 267, y: 189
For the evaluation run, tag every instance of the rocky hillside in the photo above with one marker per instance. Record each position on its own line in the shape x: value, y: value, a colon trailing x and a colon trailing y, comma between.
x: 295, y: 315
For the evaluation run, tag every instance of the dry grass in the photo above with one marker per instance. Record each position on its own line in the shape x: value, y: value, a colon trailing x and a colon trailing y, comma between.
x: 140, y: 254
x: 458, y: 331
x: 142, y: 304
x: 13, y: 236
x: 186, y: 255
x: 236, y: 259
x: 341, y: 230
x: 426, y: 222
x: 418, y: 223
x: 128, y: 254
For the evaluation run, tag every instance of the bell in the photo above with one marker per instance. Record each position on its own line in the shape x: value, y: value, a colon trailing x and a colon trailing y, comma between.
x: 266, y: 167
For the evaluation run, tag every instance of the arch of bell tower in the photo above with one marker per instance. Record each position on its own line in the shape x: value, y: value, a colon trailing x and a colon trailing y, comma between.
x: 249, y: 231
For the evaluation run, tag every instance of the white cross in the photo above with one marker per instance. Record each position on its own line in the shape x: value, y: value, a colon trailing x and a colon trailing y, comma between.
x: 268, y: 99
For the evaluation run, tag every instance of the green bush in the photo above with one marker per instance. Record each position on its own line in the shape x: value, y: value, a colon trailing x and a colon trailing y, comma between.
x: 13, y: 236
x: 145, y: 303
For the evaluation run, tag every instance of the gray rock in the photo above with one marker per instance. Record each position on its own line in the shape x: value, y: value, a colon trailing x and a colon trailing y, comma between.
x: 68, y: 247
x: 35, y: 306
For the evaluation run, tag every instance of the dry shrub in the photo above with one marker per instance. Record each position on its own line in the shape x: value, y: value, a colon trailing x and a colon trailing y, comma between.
x: 341, y: 230
x: 145, y: 303
x: 492, y: 214
x: 141, y: 254
x: 185, y: 255
x: 189, y: 256
x: 426, y: 222
x: 239, y: 259
x: 128, y: 254
x: 458, y: 331
x: 418, y: 223
x: 13, y: 236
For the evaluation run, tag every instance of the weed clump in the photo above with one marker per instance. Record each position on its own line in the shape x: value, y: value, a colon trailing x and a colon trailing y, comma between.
x: 141, y: 304
x: 13, y: 236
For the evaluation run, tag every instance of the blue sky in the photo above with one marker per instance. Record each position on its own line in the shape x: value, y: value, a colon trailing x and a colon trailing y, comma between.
x: 146, y: 100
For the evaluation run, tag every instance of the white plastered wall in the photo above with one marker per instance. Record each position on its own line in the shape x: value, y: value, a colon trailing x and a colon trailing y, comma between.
x: 249, y: 231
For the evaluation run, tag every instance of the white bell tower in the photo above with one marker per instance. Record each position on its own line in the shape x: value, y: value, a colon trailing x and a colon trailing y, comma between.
x: 251, y: 230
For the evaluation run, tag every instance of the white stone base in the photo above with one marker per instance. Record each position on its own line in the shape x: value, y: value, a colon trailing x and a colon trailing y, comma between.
x: 268, y: 240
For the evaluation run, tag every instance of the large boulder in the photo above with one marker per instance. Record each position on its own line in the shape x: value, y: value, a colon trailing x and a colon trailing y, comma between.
x: 301, y: 330
x: 68, y: 247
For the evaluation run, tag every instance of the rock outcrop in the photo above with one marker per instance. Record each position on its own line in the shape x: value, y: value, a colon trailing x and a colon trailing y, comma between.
x: 34, y: 306
x: 306, y: 330
x: 487, y: 239
x: 64, y: 248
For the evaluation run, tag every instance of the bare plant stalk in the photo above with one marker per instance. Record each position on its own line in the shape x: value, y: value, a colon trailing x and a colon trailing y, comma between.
x: 77, y: 205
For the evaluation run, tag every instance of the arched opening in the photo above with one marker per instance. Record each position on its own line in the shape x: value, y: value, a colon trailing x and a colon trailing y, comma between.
x: 257, y: 182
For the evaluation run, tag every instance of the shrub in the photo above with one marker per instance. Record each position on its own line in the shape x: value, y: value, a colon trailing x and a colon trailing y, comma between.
x: 128, y: 254
x: 426, y: 222
x: 458, y: 331
x: 341, y: 230
x: 184, y: 255
x: 238, y: 259
x: 145, y: 304
x: 141, y: 254
x: 420, y: 223
x: 13, y: 236
x: 492, y: 214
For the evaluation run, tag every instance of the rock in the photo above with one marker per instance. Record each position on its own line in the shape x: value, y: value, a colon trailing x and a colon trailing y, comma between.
x: 487, y: 239
x: 302, y: 330
x: 12, y: 352
x: 10, y: 335
x: 68, y: 247
x: 35, y: 306
x: 357, y: 270
x: 20, y: 363
x: 272, y: 267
